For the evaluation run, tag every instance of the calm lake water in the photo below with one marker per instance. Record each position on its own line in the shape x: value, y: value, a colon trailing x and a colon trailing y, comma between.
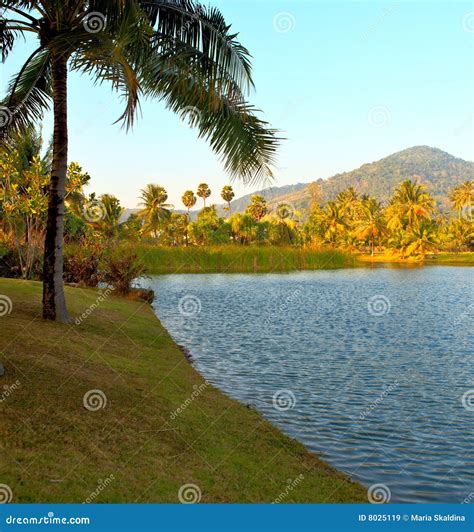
x: 370, y: 368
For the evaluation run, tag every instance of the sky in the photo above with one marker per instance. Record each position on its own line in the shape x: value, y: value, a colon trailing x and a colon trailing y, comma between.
x: 345, y: 82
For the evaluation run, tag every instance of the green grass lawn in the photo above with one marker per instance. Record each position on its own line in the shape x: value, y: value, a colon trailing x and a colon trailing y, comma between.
x: 239, y: 259
x: 136, y: 449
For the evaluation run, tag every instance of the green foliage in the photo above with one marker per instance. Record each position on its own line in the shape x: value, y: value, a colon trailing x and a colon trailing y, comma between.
x: 257, y: 207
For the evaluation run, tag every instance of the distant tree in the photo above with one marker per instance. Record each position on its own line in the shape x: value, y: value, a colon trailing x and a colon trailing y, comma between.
x: 370, y: 223
x: 257, y: 207
x: 409, y: 205
x: 462, y: 197
x: 422, y: 239
x: 109, y: 222
x: 203, y: 192
x: 189, y: 200
x: 155, y: 212
x: 227, y: 195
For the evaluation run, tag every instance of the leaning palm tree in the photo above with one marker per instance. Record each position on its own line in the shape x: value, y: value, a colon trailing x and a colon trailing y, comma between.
x: 177, y: 51
x: 156, y: 212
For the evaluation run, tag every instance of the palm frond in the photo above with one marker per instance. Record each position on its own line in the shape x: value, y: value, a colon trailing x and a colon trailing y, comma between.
x: 29, y: 93
x: 204, y: 30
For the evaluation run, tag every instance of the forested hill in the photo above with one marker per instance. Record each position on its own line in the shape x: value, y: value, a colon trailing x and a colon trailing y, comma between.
x: 438, y: 170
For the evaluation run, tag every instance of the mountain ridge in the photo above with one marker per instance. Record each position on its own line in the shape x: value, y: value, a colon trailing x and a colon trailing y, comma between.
x: 438, y: 170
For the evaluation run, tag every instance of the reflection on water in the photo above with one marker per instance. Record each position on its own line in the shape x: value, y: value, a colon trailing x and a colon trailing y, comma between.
x: 367, y: 367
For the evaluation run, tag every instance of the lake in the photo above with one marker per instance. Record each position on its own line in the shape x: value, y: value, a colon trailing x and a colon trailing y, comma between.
x: 371, y: 368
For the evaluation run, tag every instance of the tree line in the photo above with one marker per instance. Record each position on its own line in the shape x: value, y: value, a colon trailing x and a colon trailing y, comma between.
x: 409, y: 224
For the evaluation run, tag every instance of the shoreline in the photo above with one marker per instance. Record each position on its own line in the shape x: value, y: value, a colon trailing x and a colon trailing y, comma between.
x: 158, y: 415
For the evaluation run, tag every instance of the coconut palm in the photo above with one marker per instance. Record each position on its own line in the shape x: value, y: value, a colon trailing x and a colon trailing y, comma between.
x: 180, y: 52
x: 203, y: 192
x: 462, y: 197
x: 409, y: 205
x: 156, y: 212
x: 109, y: 223
x: 422, y: 239
x: 333, y: 222
x: 370, y: 222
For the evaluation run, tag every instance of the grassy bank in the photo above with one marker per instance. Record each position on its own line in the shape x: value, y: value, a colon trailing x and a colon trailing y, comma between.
x: 139, y: 448
x: 160, y: 260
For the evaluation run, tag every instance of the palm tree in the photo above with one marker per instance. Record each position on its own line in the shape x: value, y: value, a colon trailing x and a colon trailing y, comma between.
x: 409, y: 205
x: 420, y: 240
x: 370, y: 222
x: 189, y: 200
x: 228, y: 195
x: 156, y: 212
x: 462, y: 197
x: 348, y: 199
x: 333, y: 222
x: 144, y: 48
x: 203, y: 192
x: 109, y: 224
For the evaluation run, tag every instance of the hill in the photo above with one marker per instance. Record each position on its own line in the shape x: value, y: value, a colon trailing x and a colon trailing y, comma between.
x: 436, y: 169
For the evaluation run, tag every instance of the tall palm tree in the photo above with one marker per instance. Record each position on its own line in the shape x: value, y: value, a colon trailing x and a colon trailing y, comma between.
x: 370, y: 222
x: 228, y: 195
x: 156, y: 212
x: 409, y: 205
x: 334, y: 222
x: 178, y: 51
x: 462, y: 197
x: 189, y: 200
x: 203, y: 192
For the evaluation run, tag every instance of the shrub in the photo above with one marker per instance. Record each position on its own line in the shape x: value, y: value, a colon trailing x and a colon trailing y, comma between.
x: 121, y: 269
x: 82, y: 265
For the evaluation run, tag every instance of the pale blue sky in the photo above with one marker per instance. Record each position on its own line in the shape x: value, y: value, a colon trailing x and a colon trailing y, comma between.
x: 348, y: 83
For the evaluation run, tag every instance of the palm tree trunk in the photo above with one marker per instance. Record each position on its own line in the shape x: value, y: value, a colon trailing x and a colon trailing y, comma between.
x: 54, y: 301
